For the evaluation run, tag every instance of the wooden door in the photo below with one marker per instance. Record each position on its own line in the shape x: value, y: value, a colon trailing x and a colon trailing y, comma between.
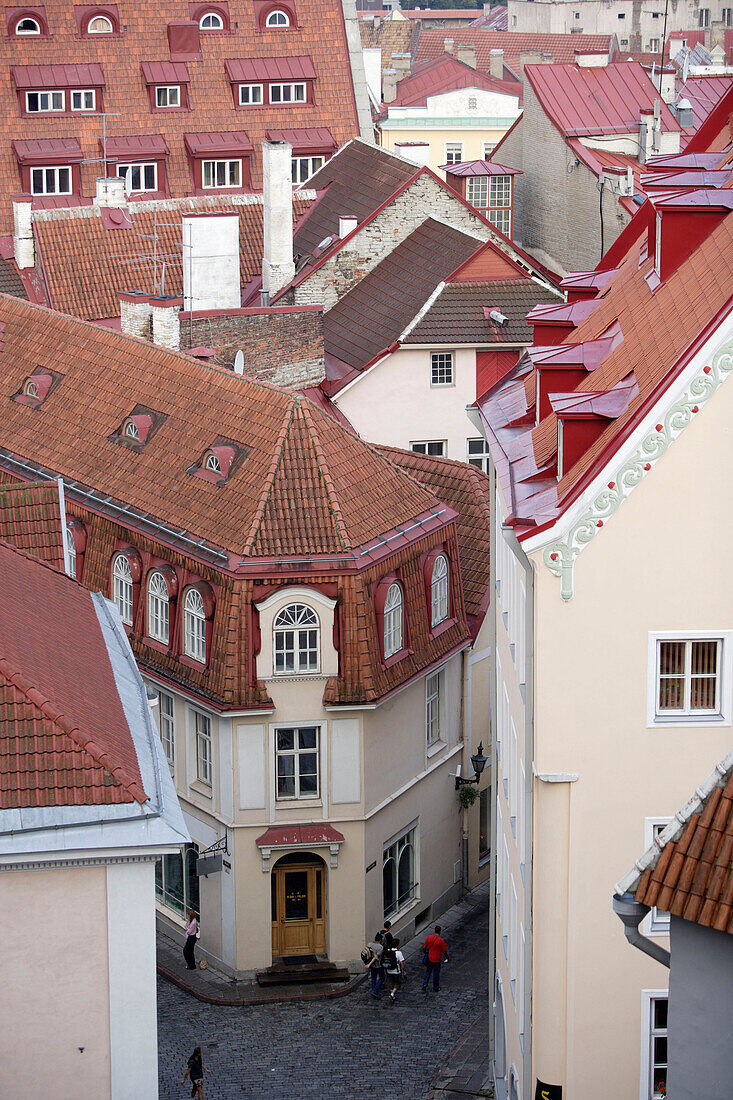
x: 298, y: 909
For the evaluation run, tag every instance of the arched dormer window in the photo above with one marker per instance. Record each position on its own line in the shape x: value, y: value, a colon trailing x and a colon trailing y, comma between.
x: 194, y: 626
x: 277, y: 19
x: 100, y: 24
x: 158, y: 608
x: 211, y: 21
x: 130, y: 430
x: 393, y: 620
x: 71, y: 552
x: 122, y: 587
x: 27, y: 25
x: 212, y: 463
x: 30, y: 389
x: 439, y: 602
x: 296, y: 644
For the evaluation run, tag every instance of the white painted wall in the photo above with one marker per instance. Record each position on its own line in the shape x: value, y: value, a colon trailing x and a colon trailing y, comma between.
x: 211, y: 262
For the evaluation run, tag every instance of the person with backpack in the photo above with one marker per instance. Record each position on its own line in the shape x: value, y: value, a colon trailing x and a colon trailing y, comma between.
x: 394, y: 965
x: 371, y: 956
x: 435, y: 949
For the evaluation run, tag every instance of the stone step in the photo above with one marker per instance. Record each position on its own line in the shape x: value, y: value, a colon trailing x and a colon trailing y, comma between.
x: 282, y: 974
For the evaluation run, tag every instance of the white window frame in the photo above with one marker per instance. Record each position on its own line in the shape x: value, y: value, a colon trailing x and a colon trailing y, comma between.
x: 218, y: 25
x: 228, y: 163
x: 520, y: 985
x: 52, y: 168
x: 296, y: 752
x: 294, y: 87
x: 109, y: 29
x: 254, y: 91
x: 204, y: 747
x: 513, y: 938
x: 488, y: 148
x: 481, y: 202
x: 142, y: 167
x: 158, y: 617
x: 194, y: 627
x: 123, y: 590
x: 497, y: 716
x: 695, y: 718
x: 648, y: 996
x: 499, y: 866
x: 433, y: 704
x: 394, y: 620
x: 70, y: 550
x: 299, y: 647
x: 453, y: 152
x: 302, y: 168
x: 657, y: 922
x: 420, y: 447
x: 83, y: 93
x: 478, y: 458
x: 394, y: 841
x: 439, y: 591
x: 277, y: 26
x: 50, y: 93
x: 27, y: 19
x: 442, y: 369
x: 171, y: 95
x: 167, y: 725
x: 513, y: 774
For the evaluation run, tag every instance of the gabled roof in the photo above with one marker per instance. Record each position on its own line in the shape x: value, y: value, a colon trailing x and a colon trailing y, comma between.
x: 688, y: 871
x: 64, y: 736
x: 30, y: 519
x: 438, y: 75
x: 558, y: 47
x: 603, y: 100
x: 461, y: 313
x: 494, y: 20
x: 390, y: 36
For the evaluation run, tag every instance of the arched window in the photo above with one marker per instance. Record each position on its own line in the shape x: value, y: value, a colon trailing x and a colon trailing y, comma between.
x: 439, y: 591
x: 194, y: 626
x: 278, y: 19
x: 71, y: 552
x: 30, y: 389
x: 393, y: 625
x: 212, y: 21
x: 131, y: 430
x: 296, y: 640
x: 100, y: 24
x: 211, y: 462
x: 158, y: 609
x: 122, y: 587
x: 27, y: 26
x: 513, y: 1085
x: 499, y: 1032
x: 398, y: 874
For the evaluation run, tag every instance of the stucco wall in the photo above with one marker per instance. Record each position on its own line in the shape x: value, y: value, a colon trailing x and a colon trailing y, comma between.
x: 602, y: 17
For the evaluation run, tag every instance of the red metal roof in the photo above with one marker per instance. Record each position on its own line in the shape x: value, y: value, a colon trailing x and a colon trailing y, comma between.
x: 57, y: 76
x: 270, y: 68
x: 479, y: 168
x: 139, y: 145
x: 236, y: 143
x: 165, y: 72
x: 286, y: 836
x: 310, y: 140
x: 445, y: 74
x: 605, y: 100
x: 42, y: 150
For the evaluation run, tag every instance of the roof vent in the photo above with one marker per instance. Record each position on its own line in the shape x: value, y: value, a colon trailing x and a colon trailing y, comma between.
x: 347, y: 224
x: 497, y: 317
x: 683, y: 110
x: 239, y: 362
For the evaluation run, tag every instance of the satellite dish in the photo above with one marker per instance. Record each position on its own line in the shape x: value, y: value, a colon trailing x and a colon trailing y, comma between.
x: 239, y: 362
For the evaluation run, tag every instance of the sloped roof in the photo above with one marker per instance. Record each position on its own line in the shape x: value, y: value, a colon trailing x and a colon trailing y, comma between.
x: 703, y: 93
x: 30, y: 519
x: 10, y: 280
x: 64, y: 738
x: 495, y: 20
x: 390, y: 36
x: 688, y: 871
x: 438, y: 75
x: 109, y: 261
x: 560, y: 48
x: 459, y: 313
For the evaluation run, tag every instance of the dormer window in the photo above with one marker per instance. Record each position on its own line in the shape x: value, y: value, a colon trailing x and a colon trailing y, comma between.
x: 439, y: 603
x: 30, y: 389
x: 219, y: 461
x: 393, y: 620
x: 138, y: 428
x: 100, y: 24
x: 194, y: 626
x: 125, y: 583
x: 131, y: 430
x: 37, y: 387
x: 296, y: 640
x: 277, y: 18
x: 211, y: 21
x: 27, y: 26
x: 76, y: 544
x: 275, y: 15
x: 211, y: 462
x: 168, y: 95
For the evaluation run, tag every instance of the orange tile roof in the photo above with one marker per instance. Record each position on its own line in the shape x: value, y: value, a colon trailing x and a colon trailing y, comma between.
x: 390, y: 36
x: 319, y: 36
x: 64, y: 738
x: 109, y: 261
x: 562, y: 47
x: 30, y: 519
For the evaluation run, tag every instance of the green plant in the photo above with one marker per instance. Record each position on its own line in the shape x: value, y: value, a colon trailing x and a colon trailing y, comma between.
x: 467, y: 796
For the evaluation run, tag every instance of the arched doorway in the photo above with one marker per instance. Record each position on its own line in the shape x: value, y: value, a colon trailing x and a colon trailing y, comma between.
x: 298, y: 891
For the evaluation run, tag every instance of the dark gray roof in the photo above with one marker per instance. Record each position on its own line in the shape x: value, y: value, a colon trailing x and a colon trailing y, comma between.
x: 10, y: 280
x: 457, y: 315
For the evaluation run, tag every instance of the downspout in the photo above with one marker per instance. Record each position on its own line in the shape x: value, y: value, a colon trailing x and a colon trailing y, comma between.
x: 492, y: 757
x: 632, y: 913
x: 466, y: 769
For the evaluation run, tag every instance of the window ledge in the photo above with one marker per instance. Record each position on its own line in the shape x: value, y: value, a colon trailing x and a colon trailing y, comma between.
x: 484, y: 859
x: 201, y: 788
x: 436, y: 747
x: 396, y: 657
x: 304, y: 803
x: 402, y: 913
x: 441, y: 627
x: 294, y: 677
x: 689, y: 720
x: 170, y: 914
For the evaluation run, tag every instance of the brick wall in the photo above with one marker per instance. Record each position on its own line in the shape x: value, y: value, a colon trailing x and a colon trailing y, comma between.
x: 282, y: 347
x: 510, y: 155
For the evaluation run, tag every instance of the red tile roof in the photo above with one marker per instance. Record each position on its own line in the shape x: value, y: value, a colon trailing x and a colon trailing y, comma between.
x: 30, y: 519
x: 438, y: 75
x: 64, y: 738
x: 603, y: 100
x: 561, y: 47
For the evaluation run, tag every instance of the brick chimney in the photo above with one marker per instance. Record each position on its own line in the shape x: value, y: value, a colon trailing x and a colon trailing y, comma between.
x: 496, y: 64
x: 278, y: 268
x: 24, y: 248
x: 135, y: 313
x: 166, y: 321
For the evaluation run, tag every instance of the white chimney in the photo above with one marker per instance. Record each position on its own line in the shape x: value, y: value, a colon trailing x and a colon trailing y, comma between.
x: 111, y: 192
x: 416, y: 151
x: 448, y: 45
x: 389, y: 85
x: 24, y: 248
x: 496, y: 64
x: 667, y: 85
x: 135, y: 313
x: 211, y: 262
x: 278, y: 268
x: 373, y: 72
x: 347, y: 224
x: 166, y: 321
x: 646, y: 132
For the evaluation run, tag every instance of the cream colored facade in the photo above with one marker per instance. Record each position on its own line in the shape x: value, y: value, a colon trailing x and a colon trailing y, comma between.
x: 585, y: 768
x: 378, y: 781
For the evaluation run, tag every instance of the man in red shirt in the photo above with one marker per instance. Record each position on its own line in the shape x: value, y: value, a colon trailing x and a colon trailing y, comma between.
x: 435, y: 949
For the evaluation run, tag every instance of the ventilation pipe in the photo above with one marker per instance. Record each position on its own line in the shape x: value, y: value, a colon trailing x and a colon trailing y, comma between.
x: 632, y: 913
x: 278, y: 268
x: 24, y: 249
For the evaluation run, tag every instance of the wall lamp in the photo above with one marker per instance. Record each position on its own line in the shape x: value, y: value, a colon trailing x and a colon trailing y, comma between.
x: 479, y: 763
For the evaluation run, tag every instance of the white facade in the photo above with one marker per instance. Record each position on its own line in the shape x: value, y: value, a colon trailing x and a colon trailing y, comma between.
x: 639, y: 28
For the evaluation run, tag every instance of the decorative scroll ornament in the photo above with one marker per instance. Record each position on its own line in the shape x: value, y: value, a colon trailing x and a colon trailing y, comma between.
x: 559, y: 556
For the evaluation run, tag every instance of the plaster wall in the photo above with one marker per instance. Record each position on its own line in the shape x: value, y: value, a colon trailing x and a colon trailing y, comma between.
x: 211, y: 277
x: 653, y: 567
x: 473, y: 137
x: 700, y: 1011
x: 637, y: 27
x: 479, y: 730
x: 511, y: 156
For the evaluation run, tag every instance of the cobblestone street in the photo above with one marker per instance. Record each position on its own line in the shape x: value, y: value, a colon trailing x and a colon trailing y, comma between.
x: 350, y: 1047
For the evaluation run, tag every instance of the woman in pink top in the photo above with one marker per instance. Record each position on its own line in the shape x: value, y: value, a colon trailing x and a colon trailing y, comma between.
x: 192, y: 927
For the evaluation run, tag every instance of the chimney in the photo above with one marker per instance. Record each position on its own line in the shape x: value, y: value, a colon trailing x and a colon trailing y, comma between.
x: 373, y: 72
x: 684, y: 113
x: 467, y: 54
x: 448, y: 45
x: 401, y: 64
x: 646, y: 131
x: 416, y: 151
x: 135, y: 313
x: 347, y: 223
x: 591, y: 59
x: 24, y: 248
x: 166, y: 321
x: 532, y: 57
x: 278, y: 268
x: 496, y: 64
x: 111, y: 192
x: 389, y: 85
x: 211, y: 262
x: 184, y: 40
x: 667, y: 85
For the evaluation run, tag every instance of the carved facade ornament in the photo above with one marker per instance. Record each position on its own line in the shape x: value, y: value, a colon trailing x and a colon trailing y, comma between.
x: 559, y: 556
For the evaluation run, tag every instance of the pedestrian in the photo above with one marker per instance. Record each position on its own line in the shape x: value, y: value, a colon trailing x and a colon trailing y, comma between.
x: 196, y: 1070
x: 192, y: 928
x: 385, y: 930
x: 435, y: 950
x: 394, y: 965
x: 374, y: 964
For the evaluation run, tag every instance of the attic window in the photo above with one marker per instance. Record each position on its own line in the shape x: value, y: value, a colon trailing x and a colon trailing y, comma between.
x: 211, y: 462
x: 212, y: 21
x: 137, y: 429
x: 30, y: 389
x: 37, y: 387
x: 131, y: 430
x: 27, y: 26
x: 219, y: 461
x: 100, y: 24
x: 278, y: 18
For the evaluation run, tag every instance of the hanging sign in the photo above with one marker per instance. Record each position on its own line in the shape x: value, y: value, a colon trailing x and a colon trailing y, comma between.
x: 547, y: 1092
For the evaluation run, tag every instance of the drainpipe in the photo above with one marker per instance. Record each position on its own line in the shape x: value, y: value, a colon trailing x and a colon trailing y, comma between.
x: 466, y: 738
x: 632, y: 913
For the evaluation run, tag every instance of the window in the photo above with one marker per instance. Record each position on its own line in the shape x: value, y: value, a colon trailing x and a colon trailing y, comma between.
x: 434, y: 447
x: 500, y: 201
x: 477, y: 192
x: 439, y: 603
x: 100, y: 24
x: 203, y: 747
x: 122, y: 587
x: 704, y: 17
x: 51, y: 181
x: 658, y: 919
x: 624, y: 42
x: 726, y: 16
x: 653, y: 45
x: 194, y: 626
x: 477, y: 454
x: 158, y: 608
x: 484, y: 826
x: 688, y: 677
x: 296, y: 640
x: 70, y: 550
x: 249, y: 94
x: 658, y: 1048
x: 40, y: 102
x: 393, y: 624
x: 432, y: 708
x: 30, y: 389
x: 499, y: 868
x: 287, y: 93
x: 143, y: 177
x: 488, y: 147
x: 27, y: 26
x: 211, y: 462
x: 622, y: 15
x: 167, y: 725
x: 277, y: 19
x: 84, y: 100
x: 168, y: 95
x: 297, y: 762
x: 398, y: 873
x: 222, y: 173
x: 441, y: 368
x: 304, y: 167
x: 453, y: 152
x: 176, y: 881
x: 212, y: 21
